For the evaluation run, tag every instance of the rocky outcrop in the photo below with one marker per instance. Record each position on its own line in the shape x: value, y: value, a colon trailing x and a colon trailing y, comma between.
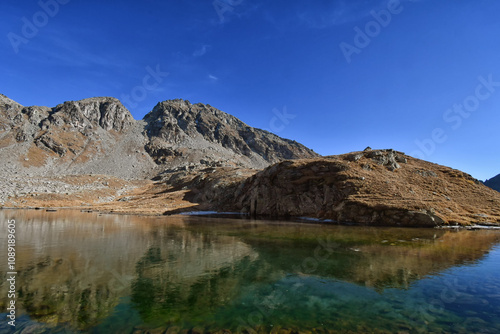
x: 9, y: 107
x: 379, y: 187
x: 106, y: 112
x: 199, y: 133
x: 47, y: 142
x: 99, y: 136
x: 493, y: 183
x: 91, y: 136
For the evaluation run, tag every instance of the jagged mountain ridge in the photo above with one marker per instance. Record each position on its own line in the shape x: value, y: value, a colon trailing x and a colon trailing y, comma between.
x: 204, y: 159
x: 91, y: 136
x: 493, y: 183
x: 176, y: 125
x: 99, y: 136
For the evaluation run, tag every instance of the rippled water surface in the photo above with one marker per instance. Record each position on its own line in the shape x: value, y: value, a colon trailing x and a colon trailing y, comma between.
x: 90, y: 273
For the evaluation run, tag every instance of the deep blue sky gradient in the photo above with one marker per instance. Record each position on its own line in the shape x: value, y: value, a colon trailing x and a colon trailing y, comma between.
x: 267, y: 58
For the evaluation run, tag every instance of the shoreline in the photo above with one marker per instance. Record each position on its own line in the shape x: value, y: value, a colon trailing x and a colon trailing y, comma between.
x: 245, y: 216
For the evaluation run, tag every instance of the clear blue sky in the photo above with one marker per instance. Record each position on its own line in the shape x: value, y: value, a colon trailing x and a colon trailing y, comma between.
x: 422, y: 77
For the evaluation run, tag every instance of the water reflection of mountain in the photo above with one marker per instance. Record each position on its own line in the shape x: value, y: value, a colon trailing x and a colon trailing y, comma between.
x: 162, y: 299
x: 76, y: 268
x: 372, y: 257
x: 377, y: 258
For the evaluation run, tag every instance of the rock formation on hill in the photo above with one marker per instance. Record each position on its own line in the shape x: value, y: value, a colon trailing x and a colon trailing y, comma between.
x: 91, y: 136
x: 99, y: 136
x: 493, y: 183
x: 374, y: 187
x: 179, y: 131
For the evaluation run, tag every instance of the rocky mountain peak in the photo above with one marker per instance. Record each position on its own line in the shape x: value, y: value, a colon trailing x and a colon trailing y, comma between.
x: 182, y: 110
x: 9, y: 107
x: 106, y: 112
x: 176, y: 125
x: 99, y: 135
x: 4, y: 100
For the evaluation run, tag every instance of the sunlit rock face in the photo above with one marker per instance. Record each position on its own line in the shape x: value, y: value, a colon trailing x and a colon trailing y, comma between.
x: 200, y: 133
x: 374, y: 187
x: 91, y: 136
x: 99, y: 136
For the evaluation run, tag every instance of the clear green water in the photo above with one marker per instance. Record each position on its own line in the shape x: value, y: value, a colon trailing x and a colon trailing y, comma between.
x: 85, y: 273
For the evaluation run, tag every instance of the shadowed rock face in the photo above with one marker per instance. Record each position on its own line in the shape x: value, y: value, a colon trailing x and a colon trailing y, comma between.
x: 493, y: 183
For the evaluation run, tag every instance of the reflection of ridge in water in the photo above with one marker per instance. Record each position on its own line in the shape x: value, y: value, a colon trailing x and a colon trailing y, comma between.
x: 188, y: 275
x: 74, y: 268
x: 114, y: 274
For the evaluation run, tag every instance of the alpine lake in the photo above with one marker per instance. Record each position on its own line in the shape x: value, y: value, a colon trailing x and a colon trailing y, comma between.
x: 96, y: 273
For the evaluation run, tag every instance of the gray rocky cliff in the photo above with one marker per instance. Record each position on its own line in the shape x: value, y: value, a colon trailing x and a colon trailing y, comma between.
x: 175, y: 126
x: 99, y: 136
x: 106, y: 112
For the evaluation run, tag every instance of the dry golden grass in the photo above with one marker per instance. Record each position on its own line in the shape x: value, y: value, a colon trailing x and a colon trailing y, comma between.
x: 36, y: 157
x: 6, y: 141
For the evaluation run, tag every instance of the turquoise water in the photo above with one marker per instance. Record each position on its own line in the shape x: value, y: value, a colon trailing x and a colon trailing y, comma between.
x: 90, y: 273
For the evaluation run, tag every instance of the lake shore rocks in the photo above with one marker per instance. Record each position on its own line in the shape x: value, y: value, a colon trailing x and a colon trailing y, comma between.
x: 395, y: 189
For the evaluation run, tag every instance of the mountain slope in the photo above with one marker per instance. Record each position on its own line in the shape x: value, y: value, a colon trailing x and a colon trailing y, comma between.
x: 493, y: 183
x: 379, y: 187
x: 91, y: 136
x: 204, y: 159
x: 99, y: 136
x: 179, y: 130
